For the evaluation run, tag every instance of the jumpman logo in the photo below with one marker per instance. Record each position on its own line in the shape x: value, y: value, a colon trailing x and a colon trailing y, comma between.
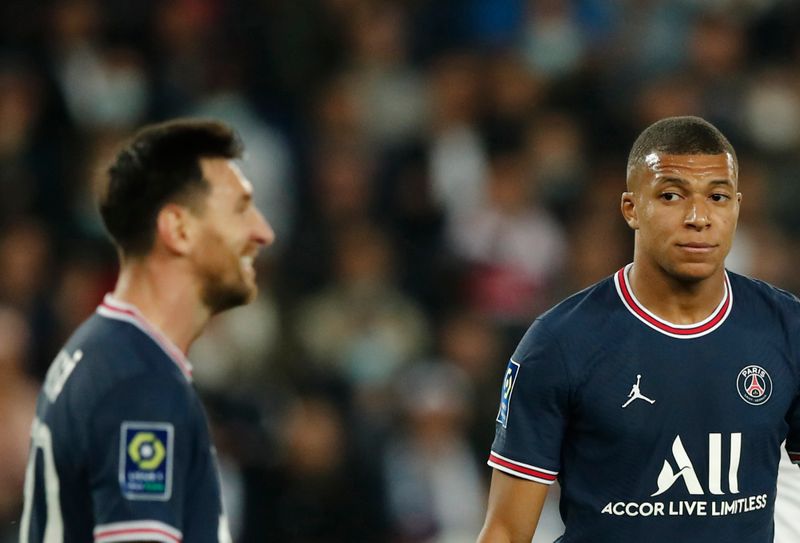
x: 636, y: 394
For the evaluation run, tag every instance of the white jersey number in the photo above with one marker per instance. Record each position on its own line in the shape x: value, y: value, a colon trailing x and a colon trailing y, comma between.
x: 42, y: 439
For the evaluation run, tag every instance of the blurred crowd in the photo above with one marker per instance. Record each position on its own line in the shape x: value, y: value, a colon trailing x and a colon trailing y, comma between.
x: 437, y: 172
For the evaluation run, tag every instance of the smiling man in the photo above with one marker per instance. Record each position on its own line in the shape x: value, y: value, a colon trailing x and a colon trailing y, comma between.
x: 659, y: 397
x: 120, y: 449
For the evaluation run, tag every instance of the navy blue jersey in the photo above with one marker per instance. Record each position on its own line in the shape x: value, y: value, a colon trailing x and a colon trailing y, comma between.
x: 656, y: 432
x: 120, y: 448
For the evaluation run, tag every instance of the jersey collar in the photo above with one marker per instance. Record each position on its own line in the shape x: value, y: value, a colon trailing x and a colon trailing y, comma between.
x: 112, y: 308
x: 680, y: 331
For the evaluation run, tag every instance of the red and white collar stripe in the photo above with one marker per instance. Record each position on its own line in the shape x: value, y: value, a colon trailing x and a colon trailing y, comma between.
x: 680, y: 331
x: 137, y: 530
x: 112, y: 308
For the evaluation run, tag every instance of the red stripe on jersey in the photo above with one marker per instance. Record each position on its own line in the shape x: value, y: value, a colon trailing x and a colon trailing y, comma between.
x: 794, y: 457
x: 522, y: 469
x: 635, y: 307
x: 101, y: 535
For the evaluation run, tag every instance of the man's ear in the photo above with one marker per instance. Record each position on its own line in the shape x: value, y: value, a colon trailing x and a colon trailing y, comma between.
x: 174, y: 228
x: 628, y: 208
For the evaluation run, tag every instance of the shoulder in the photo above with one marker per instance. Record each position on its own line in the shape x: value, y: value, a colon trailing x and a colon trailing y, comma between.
x: 587, y: 309
x: 102, y: 356
x: 748, y: 289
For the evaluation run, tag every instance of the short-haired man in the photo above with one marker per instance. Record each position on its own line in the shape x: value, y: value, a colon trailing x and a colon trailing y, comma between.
x: 120, y: 449
x: 660, y: 396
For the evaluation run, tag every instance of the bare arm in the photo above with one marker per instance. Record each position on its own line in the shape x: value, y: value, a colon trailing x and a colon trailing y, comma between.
x: 514, y: 508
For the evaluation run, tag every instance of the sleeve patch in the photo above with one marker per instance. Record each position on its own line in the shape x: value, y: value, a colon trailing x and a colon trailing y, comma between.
x: 145, y: 460
x: 509, y: 379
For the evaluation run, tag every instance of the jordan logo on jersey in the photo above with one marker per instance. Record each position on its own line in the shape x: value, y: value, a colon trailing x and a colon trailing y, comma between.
x: 636, y: 393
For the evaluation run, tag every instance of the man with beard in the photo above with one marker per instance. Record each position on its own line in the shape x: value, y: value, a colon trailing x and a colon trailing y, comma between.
x: 120, y: 449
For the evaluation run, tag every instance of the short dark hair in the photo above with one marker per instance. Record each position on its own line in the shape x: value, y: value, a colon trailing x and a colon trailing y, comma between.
x: 160, y: 165
x: 680, y: 136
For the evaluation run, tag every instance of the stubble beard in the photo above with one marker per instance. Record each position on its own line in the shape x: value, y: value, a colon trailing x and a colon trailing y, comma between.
x: 219, y: 295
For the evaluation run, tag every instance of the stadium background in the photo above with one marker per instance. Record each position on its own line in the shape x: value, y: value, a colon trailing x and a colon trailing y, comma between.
x: 437, y: 173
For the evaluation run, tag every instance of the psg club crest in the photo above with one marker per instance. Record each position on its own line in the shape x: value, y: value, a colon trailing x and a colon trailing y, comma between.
x: 754, y: 385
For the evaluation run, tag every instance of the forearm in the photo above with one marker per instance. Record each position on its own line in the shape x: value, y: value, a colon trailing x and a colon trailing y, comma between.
x: 514, y: 508
x: 501, y: 534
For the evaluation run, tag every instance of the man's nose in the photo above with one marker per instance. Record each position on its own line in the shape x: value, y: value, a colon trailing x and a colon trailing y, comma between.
x: 263, y: 233
x: 697, y: 214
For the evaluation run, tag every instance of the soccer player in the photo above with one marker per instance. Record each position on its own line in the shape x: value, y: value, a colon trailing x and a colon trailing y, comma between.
x: 660, y: 396
x: 120, y: 448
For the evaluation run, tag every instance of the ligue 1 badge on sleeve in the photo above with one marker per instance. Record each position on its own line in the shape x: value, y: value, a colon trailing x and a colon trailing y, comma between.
x: 145, y: 460
x: 754, y: 385
x: 509, y: 379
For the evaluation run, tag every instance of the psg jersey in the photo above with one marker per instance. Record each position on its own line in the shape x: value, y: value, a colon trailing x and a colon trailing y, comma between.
x: 120, y: 448
x: 656, y: 431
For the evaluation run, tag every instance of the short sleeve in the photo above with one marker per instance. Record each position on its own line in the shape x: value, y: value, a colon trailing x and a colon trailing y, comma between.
x: 793, y: 437
x: 533, y: 410
x: 141, y: 440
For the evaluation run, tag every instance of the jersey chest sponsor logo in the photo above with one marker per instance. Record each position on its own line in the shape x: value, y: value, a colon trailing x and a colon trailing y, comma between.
x: 145, y: 460
x: 720, y: 493
x: 684, y: 468
x: 509, y: 379
x: 754, y: 385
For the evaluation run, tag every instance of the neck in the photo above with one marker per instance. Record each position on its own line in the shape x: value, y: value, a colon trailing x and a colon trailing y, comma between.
x: 673, y: 299
x: 165, y: 298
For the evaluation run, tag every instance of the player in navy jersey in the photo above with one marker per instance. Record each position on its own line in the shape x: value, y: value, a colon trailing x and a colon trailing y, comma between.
x: 660, y: 396
x: 120, y: 448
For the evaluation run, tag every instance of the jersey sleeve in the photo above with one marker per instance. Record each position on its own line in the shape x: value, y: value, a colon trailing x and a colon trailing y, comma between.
x: 533, y: 409
x: 793, y: 438
x: 141, y: 440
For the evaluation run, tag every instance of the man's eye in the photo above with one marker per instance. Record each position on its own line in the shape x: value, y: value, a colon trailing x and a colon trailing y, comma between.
x: 720, y: 197
x: 669, y: 196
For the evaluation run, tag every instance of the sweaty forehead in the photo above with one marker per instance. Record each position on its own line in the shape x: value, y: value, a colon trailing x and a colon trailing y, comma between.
x: 702, y: 167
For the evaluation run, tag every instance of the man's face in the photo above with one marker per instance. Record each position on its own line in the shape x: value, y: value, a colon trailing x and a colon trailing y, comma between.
x: 684, y: 209
x: 231, y: 232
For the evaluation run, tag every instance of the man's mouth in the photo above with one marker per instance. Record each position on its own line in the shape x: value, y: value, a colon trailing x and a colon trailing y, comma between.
x: 247, y: 262
x: 697, y: 247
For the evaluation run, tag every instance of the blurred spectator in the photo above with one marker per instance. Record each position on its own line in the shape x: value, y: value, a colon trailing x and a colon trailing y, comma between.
x: 341, y: 193
x: 772, y: 111
x: 363, y: 325
x: 558, y: 160
x: 321, y: 490
x: 103, y: 87
x: 435, y: 489
x: 553, y: 41
x: 458, y: 162
x: 390, y: 93
x: 26, y: 256
x: 512, y: 244
x: 235, y: 351
x: 17, y: 408
x: 599, y: 241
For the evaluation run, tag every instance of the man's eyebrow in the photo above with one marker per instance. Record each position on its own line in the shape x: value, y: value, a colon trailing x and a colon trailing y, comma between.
x: 683, y: 182
x: 727, y: 182
x: 671, y: 181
